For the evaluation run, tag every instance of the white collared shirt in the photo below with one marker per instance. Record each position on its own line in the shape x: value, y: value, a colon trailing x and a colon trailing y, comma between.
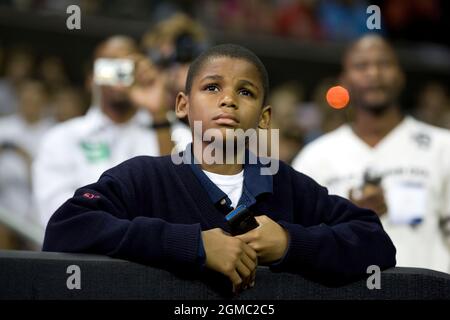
x: 230, y: 184
x: 76, y: 152
x: 414, y: 162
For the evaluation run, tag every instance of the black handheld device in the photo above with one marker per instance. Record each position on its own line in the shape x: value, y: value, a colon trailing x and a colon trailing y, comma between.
x: 371, y: 177
x: 241, y: 220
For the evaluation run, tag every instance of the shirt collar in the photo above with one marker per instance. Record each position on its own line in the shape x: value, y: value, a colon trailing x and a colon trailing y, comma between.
x: 255, y: 183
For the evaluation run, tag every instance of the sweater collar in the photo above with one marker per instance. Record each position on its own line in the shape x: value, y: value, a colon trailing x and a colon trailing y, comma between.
x: 255, y: 183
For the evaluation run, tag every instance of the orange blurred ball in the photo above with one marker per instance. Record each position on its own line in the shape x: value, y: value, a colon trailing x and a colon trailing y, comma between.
x: 338, y: 97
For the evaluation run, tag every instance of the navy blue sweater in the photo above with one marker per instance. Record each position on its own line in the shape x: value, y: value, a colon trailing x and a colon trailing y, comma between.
x: 152, y: 211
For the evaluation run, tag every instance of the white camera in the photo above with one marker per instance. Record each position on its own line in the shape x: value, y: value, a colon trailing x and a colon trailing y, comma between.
x: 113, y: 72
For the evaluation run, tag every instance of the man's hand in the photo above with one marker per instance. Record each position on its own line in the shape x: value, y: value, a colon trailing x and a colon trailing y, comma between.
x: 269, y: 240
x: 372, y: 197
x: 149, y: 90
x: 231, y: 257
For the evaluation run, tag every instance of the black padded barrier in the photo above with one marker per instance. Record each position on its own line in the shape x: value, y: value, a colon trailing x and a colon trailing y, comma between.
x: 26, y: 275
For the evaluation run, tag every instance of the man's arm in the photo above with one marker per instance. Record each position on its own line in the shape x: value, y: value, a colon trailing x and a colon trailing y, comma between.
x: 333, y: 239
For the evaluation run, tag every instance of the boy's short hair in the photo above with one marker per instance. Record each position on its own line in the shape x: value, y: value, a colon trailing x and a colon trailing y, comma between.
x: 231, y: 51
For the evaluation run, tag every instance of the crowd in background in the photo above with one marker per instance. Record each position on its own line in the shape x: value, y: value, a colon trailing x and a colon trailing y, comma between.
x: 299, y: 19
x: 36, y: 92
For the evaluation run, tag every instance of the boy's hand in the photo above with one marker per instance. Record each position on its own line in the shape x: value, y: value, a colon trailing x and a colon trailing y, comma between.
x: 269, y: 240
x: 231, y: 257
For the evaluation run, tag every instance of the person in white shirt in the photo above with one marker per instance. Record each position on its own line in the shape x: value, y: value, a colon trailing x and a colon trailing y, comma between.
x: 391, y: 163
x: 18, y: 68
x: 77, y: 152
x: 20, y: 136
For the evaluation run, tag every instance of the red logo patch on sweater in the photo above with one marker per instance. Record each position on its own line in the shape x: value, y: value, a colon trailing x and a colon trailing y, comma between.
x: 91, y: 196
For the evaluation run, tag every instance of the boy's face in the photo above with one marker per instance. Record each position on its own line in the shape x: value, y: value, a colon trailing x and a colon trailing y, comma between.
x: 226, y: 93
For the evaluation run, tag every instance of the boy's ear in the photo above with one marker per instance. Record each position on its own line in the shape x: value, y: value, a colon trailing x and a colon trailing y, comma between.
x: 264, y: 119
x: 181, y: 105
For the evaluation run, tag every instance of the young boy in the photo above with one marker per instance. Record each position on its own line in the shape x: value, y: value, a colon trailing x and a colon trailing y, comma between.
x: 153, y: 211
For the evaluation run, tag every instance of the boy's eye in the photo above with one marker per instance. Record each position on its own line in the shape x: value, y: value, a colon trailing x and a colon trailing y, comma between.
x: 211, y: 87
x: 246, y: 92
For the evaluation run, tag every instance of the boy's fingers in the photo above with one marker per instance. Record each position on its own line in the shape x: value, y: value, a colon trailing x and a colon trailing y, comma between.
x: 253, y: 277
x: 250, y: 252
x: 252, y: 235
x: 262, y: 219
x: 246, y: 237
x: 248, y: 262
x: 244, y: 273
x: 236, y: 280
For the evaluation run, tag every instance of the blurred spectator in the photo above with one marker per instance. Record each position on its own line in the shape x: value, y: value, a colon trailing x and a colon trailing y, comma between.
x: 417, y: 20
x: 78, y: 151
x: 232, y: 15
x: 30, y: 122
x: 19, y: 66
x: 285, y: 101
x: 414, y: 19
x: 52, y: 72
x: 68, y: 103
x: 298, y: 19
x: 20, y: 136
x: 172, y: 45
x: 433, y: 105
x: 387, y: 161
x: 239, y: 16
x: 343, y: 19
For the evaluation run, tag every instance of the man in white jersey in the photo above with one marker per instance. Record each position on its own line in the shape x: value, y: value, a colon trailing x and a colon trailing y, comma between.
x: 77, y: 152
x: 386, y: 161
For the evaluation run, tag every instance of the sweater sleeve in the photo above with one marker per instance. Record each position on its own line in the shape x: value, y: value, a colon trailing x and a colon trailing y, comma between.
x: 337, y: 240
x: 99, y: 219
